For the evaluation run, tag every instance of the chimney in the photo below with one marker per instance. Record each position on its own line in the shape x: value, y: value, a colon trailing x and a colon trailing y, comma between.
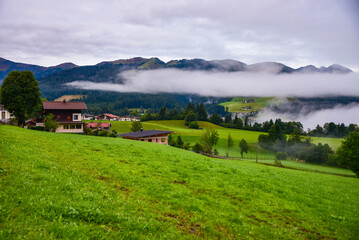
x: 64, y: 101
x: 141, y: 129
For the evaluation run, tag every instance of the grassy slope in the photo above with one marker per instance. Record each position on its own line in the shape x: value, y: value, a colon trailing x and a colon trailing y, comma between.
x: 193, y: 135
x: 71, y: 186
x: 236, y: 104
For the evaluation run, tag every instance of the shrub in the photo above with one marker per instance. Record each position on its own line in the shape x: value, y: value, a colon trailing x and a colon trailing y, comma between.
x: 187, y: 146
x: 88, y: 131
x: 38, y: 128
x: 102, y: 133
x: 198, y: 148
x: 194, y: 125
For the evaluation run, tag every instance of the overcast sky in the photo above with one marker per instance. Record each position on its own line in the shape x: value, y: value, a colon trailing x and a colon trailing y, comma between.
x: 296, y: 33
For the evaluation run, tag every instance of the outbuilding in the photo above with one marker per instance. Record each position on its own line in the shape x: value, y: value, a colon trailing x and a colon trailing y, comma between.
x: 157, y: 136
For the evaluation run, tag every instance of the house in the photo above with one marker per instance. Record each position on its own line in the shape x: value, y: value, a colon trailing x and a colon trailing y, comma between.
x: 68, y: 115
x: 87, y: 116
x: 129, y: 118
x: 99, y: 126
x: 247, y: 108
x: 4, y: 113
x: 107, y: 116
x: 157, y: 136
x: 248, y: 101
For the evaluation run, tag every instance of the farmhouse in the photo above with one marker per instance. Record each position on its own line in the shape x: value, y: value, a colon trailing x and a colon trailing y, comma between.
x: 4, y: 113
x: 129, y: 118
x: 157, y: 136
x: 87, y: 116
x: 99, y: 126
x: 247, y: 108
x: 67, y: 114
x: 107, y: 116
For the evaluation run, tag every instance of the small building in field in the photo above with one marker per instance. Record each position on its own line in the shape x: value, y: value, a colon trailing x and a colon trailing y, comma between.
x: 4, y: 113
x: 99, y: 126
x: 156, y: 136
x: 67, y: 114
x: 87, y: 116
x: 107, y: 116
x: 129, y: 118
x: 247, y: 108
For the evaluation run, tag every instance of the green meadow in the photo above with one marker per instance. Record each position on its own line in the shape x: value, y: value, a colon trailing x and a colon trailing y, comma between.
x: 194, y: 135
x: 236, y: 104
x: 66, y: 186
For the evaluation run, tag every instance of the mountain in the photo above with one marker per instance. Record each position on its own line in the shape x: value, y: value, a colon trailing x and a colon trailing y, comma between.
x: 7, y: 66
x: 335, y: 68
x: 269, y: 67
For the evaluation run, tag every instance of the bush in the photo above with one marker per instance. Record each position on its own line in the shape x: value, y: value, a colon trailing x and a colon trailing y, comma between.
x: 187, y: 146
x: 281, y: 156
x: 88, y: 131
x: 38, y: 128
x: 194, y: 125
x: 102, y: 133
x: 198, y: 148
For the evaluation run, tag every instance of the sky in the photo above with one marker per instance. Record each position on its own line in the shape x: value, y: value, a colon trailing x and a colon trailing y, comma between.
x: 296, y: 33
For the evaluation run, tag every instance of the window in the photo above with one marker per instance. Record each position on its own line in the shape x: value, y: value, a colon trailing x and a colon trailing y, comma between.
x: 72, y: 126
x: 163, y: 139
x: 2, y: 115
x: 78, y: 126
x: 66, y: 126
x: 150, y: 140
x: 76, y: 117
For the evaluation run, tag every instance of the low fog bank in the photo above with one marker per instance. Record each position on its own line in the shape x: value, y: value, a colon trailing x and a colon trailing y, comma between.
x: 346, y: 114
x: 225, y: 84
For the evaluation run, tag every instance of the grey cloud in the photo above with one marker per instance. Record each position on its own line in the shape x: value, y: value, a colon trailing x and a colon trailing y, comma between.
x: 338, y: 114
x: 293, y: 32
x: 222, y: 84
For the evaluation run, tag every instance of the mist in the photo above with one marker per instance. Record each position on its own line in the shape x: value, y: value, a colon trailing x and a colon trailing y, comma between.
x: 227, y: 84
x: 346, y: 114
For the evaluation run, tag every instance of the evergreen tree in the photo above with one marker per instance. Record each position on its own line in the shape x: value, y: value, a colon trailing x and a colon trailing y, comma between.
x: 190, y: 117
x: 228, y: 118
x: 202, y: 112
x: 179, y: 142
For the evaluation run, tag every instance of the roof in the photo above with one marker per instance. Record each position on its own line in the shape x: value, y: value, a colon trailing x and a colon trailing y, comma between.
x: 63, y: 105
x: 2, y: 106
x: 147, y: 133
x: 109, y: 115
x: 95, y: 125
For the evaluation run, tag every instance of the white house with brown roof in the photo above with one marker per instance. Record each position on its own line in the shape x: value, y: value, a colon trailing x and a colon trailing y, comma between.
x: 4, y: 113
x: 129, y: 118
x: 67, y: 114
x: 108, y: 116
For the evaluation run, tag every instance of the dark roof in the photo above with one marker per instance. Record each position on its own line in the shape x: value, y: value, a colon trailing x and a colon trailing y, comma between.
x: 147, y: 133
x: 63, y: 105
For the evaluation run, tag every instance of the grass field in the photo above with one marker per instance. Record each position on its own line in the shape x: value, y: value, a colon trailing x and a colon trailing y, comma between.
x: 85, y: 187
x: 194, y: 135
x: 236, y: 104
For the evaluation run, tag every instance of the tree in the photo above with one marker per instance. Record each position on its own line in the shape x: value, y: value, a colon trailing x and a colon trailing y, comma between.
x: 179, y: 142
x: 191, y: 117
x: 50, y: 123
x: 193, y: 125
x: 216, y: 119
x: 228, y: 118
x: 243, y: 145
x: 202, y: 112
x: 230, y: 143
x: 198, y: 148
x: 209, y: 139
x: 348, y: 153
x: 136, y: 126
x: 20, y: 94
x: 133, y: 113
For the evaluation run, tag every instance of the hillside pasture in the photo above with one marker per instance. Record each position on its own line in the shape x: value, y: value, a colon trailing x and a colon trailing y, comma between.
x: 85, y: 187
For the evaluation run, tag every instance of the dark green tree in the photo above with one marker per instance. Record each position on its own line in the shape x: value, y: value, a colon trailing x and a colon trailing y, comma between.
x: 190, y: 107
x: 198, y: 148
x: 348, y: 153
x: 20, y: 94
x: 202, y: 112
x: 162, y: 115
x: 136, y: 126
x: 243, y: 145
x: 216, y: 119
x: 179, y: 142
x: 228, y: 118
x: 237, y: 122
x: 230, y: 143
x: 190, y: 117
